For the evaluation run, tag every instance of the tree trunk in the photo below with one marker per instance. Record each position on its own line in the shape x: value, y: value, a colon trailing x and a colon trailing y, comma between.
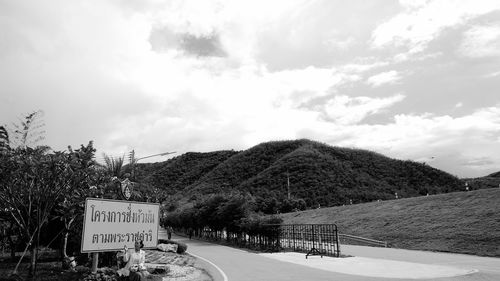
x: 67, y: 225
x: 13, y: 247
x: 65, y: 258
x: 12, y: 243
x: 65, y: 244
x: 33, y: 252
x: 65, y: 261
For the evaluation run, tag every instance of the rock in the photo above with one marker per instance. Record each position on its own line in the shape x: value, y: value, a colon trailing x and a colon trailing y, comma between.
x: 167, y: 247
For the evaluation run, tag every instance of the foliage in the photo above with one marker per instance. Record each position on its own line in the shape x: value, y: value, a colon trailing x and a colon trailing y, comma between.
x: 319, y: 175
x: 28, y: 131
x: 114, y: 165
x: 32, y: 183
x: 233, y: 213
x: 85, y: 178
x: 4, y: 139
x: 175, y: 174
x: 490, y: 181
x: 256, y: 225
x: 39, y: 185
x: 495, y: 175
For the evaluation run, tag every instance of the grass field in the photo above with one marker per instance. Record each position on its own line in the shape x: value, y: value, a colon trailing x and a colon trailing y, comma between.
x: 459, y: 222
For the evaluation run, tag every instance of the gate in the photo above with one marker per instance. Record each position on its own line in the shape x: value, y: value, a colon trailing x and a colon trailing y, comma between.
x: 313, y: 239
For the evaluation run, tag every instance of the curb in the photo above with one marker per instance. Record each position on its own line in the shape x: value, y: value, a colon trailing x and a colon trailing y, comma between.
x: 215, y: 272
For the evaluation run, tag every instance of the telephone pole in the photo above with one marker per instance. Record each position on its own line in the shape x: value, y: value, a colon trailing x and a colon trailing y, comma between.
x: 288, y: 183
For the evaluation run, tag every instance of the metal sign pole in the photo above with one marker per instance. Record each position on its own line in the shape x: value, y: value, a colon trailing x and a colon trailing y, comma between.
x: 95, y: 260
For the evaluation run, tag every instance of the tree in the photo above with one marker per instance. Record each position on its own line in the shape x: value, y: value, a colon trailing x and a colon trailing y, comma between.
x: 85, y: 176
x: 32, y: 183
x: 4, y: 139
x: 114, y: 165
x: 29, y: 131
x: 26, y: 133
x: 232, y: 211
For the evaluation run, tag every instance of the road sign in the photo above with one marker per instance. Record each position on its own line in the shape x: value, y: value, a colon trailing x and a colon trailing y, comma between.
x: 109, y: 225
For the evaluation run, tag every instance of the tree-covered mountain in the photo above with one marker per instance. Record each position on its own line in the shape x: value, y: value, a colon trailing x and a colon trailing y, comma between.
x: 489, y: 181
x: 182, y: 171
x: 495, y: 175
x: 317, y: 173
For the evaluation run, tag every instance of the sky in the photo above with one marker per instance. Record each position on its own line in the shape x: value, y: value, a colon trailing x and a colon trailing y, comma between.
x: 413, y: 80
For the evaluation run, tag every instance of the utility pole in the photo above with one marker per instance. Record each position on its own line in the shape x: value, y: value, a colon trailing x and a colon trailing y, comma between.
x: 288, y: 183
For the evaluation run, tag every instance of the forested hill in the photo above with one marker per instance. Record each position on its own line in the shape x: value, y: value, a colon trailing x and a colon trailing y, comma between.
x: 319, y: 174
x: 489, y: 181
x: 495, y: 175
x: 180, y: 172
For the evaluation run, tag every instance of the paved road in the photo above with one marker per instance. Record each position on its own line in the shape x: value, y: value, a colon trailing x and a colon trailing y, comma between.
x: 489, y: 268
x: 241, y: 265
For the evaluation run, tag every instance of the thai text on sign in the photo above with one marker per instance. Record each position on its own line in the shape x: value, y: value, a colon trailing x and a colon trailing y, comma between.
x: 109, y: 225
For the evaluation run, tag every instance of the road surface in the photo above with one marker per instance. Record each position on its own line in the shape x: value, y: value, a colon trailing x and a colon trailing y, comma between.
x: 243, y: 265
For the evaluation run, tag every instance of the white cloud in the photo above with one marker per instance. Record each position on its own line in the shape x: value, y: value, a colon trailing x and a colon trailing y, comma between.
x: 340, y: 44
x: 450, y: 140
x: 348, y: 111
x: 422, y: 21
x: 363, y: 65
x: 237, y: 22
x: 388, y: 77
x: 481, y: 41
x: 244, y: 105
x: 95, y: 58
x: 492, y: 74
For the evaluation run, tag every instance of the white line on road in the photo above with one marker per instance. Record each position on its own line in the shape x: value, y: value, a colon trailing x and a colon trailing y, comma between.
x: 213, y: 264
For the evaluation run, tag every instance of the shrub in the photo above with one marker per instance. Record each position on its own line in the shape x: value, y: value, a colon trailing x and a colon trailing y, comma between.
x: 181, y: 247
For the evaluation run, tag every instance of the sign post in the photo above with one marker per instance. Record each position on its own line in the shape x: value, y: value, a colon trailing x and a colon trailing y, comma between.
x: 109, y: 225
x: 95, y: 259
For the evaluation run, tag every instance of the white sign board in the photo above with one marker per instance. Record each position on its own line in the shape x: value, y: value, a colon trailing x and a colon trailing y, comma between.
x: 109, y: 225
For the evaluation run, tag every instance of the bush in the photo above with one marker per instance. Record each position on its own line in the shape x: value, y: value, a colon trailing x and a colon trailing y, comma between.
x: 181, y: 247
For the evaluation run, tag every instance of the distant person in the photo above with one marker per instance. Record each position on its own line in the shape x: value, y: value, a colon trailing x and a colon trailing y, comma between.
x: 135, y: 258
x: 169, y: 232
x: 190, y: 232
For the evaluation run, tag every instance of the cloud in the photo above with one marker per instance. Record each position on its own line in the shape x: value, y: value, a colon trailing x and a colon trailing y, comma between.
x: 481, y: 41
x: 340, y: 43
x: 345, y: 110
x: 320, y: 33
x: 422, y: 21
x: 364, y: 65
x: 478, y: 162
x: 450, y: 140
x: 388, y: 77
x: 159, y: 76
x: 162, y: 39
x: 492, y: 74
x: 229, y: 25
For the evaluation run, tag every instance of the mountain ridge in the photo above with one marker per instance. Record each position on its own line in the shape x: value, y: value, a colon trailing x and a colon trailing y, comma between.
x: 318, y: 173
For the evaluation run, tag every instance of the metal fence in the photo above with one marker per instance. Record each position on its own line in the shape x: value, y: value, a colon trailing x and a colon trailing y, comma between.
x: 312, y: 239
x: 315, y: 239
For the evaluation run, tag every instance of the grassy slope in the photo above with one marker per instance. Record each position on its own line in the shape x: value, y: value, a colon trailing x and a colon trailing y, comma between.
x: 459, y: 222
